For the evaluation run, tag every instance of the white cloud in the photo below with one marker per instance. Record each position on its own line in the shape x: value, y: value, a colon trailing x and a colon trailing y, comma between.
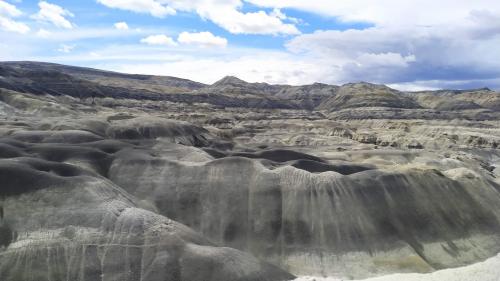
x: 153, y: 7
x: 7, y: 12
x: 202, y: 64
x: 413, y: 87
x: 279, y: 68
x: 13, y: 26
x: 160, y: 39
x: 237, y: 22
x: 121, y: 25
x: 63, y: 48
x: 53, y: 14
x: 225, y: 13
x: 90, y: 33
x: 8, y: 9
x: 385, y: 59
x: 388, y: 12
x: 405, y: 54
x: 203, y: 39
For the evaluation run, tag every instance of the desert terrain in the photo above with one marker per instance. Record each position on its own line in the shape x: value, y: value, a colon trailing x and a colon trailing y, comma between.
x: 109, y: 176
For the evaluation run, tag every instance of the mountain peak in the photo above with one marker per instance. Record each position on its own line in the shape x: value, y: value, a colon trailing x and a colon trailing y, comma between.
x: 230, y: 81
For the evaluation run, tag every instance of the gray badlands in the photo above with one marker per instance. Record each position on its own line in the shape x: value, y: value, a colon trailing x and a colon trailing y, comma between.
x: 114, y: 177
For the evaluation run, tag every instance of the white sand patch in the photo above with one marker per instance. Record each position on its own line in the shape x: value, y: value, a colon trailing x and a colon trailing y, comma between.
x: 488, y: 270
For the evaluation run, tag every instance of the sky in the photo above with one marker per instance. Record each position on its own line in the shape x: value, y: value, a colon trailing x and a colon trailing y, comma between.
x: 409, y: 45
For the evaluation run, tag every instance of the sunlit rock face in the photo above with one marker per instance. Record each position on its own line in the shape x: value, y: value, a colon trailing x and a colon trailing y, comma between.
x: 324, y: 223
x: 59, y: 222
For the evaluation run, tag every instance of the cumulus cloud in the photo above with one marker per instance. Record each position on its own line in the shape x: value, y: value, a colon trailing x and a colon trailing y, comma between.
x: 237, y: 22
x: 121, y: 25
x: 53, y: 14
x: 7, y: 9
x: 153, y: 7
x: 410, y: 42
x: 401, y: 55
x: 203, y: 39
x: 7, y: 12
x: 159, y: 39
x: 225, y: 13
x: 388, y: 12
x: 13, y: 26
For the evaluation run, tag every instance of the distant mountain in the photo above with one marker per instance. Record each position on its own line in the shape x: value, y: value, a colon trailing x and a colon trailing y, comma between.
x: 41, y: 78
x: 106, y: 78
x: 458, y: 99
x: 231, y: 83
x: 53, y: 79
x: 244, y: 94
x: 308, y: 96
x: 355, y: 95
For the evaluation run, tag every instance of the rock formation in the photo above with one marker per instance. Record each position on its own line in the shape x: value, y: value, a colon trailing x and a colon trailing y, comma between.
x: 109, y: 176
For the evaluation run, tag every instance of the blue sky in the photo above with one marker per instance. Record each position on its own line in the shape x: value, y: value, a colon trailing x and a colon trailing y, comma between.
x: 407, y: 44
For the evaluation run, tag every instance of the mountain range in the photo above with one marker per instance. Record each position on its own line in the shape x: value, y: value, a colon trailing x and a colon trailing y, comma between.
x: 53, y: 79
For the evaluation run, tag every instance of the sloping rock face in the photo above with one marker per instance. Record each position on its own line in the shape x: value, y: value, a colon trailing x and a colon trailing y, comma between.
x: 308, y: 96
x: 328, y: 223
x: 152, y: 128
x: 59, y: 222
x: 233, y: 92
x: 61, y: 219
x: 231, y: 84
x: 33, y: 74
x: 366, y: 95
x: 459, y: 99
x: 83, y: 83
x: 443, y: 102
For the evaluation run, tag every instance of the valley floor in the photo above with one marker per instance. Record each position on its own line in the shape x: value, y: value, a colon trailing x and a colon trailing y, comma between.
x: 488, y: 270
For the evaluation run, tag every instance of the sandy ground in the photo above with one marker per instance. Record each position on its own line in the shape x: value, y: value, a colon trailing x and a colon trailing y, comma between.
x: 488, y: 270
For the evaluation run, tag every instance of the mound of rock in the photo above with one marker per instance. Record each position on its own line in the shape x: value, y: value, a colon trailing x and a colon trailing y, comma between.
x: 363, y: 223
x: 58, y: 222
x: 308, y: 96
x: 366, y: 95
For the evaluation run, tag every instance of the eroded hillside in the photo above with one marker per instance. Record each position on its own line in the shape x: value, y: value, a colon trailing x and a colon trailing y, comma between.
x: 107, y: 176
